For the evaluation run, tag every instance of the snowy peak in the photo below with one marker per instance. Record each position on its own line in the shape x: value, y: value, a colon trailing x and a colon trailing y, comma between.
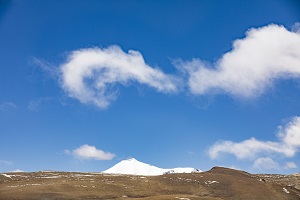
x: 131, y: 160
x: 134, y: 167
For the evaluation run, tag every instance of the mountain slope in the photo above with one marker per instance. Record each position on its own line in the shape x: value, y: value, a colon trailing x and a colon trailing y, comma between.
x: 134, y: 167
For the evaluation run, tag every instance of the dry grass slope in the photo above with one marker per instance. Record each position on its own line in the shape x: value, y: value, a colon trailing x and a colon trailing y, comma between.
x: 218, y: 183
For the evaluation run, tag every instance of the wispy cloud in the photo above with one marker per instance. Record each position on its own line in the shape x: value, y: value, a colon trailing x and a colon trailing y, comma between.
x: 232, y: 167
x: 191, y: 153
x: 87, y: 152
x: 36, y: 105
x: 44, y: 66
x: 290, y: 165
x: 296, y: 27
x: 92, y: 75
x: 5, y: 162
x: 17, y: 170
x: 265, y: 163
x: 266, y: 54
x: 6, y: 106
x: 287, y: 145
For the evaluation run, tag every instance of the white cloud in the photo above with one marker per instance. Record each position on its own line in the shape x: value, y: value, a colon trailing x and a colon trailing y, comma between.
x: 265, y: 163
x: 291, y: 133
x: 87, y: 152
x: 288, y: 144
x: 254, y: 63
x: 249, y: 148
x: 17, y: 170
x: 92, y: 75
x: 266, y: 54
x: 232, y: 167
x: 290, y: 165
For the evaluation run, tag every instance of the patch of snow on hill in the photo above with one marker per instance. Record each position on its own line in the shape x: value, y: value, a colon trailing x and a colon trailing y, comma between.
x: 182, y: 170
x: 6, y: 175
x: 135, y: 167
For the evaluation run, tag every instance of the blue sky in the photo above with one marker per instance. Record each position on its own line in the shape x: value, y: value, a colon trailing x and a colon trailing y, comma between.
x: 170, y: 83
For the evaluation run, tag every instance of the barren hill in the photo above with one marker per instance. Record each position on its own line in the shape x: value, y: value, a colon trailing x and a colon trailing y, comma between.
x: 218, y: 183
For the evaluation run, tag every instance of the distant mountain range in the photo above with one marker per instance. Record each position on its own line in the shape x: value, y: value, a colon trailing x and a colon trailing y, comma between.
x: 134, y: 167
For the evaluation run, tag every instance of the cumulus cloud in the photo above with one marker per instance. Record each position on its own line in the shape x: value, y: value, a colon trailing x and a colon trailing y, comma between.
x: 266, y: 54
x: 255, y: 62
x: 288, y: 144
x: 87, y: 152
x: 91, y: 75
x: 290, y: 134
x: 290, y: 165
x: 265, y: 163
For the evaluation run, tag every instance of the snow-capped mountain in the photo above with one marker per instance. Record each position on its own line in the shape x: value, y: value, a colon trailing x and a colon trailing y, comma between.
x: 182, y: 170
x: 134, y: 167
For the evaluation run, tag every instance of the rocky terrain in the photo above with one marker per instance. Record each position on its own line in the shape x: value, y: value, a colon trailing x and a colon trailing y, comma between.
x: 217, y: 183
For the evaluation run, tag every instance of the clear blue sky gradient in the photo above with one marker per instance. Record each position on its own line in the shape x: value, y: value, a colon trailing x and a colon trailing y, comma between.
x: 38, y: 121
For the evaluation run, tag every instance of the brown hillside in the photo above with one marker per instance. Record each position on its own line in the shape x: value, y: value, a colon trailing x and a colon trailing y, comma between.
x: 218, y: 183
